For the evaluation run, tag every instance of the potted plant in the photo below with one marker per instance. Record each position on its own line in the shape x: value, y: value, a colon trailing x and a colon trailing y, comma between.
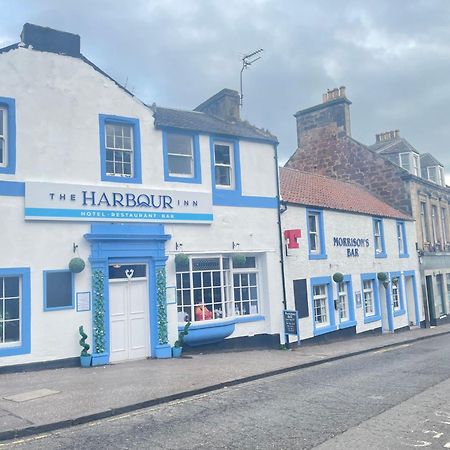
x: 85, y: 357
x: 177, y: 348
x: 76, y: 265
x: 382, y: 276
x: 338, y: 277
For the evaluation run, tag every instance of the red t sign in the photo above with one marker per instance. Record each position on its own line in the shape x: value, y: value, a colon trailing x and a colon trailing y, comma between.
x: 291, y: 237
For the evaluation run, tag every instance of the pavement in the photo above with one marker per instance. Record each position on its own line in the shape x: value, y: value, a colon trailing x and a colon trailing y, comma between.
x: 40, y: 401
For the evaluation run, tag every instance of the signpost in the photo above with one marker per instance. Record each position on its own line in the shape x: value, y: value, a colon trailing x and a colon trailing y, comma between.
x: 291, y: 325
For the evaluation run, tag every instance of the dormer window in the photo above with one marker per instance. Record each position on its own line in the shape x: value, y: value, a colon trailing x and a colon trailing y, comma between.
x: 410, y: 162
x: 436, y: 175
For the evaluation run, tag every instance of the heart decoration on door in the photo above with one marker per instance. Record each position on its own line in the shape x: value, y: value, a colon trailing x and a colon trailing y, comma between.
x: 129, y: 273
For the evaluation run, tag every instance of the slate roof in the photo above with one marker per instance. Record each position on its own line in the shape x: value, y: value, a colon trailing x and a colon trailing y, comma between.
x: 309, y: 189
x: 398, y: 145
x: 202, y: 122
x: 427, y: 160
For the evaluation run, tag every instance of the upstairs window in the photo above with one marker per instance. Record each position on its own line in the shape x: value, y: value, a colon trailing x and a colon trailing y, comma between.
x: 3, y: 137
x: 404, y: 161
x: 120, y: 149
x: 378, y: 238
x: 181, y: 157
x: 444, y: 226
x: 401, y: 239
x: 410, y: 162
x: 316, y: 238
x: 7, y: 135
x: 223, y: 165
x: 435, y: 224
x: 436, y: 175
x: 424, y: 222
x: 416, y: 165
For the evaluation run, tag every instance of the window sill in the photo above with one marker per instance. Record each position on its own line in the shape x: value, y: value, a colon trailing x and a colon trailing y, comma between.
x: 399, y: 312
x: 371, y: 319
x: 347, y: 324
x: 404, y: 255
x: 254, y: 318
x: 183, y: 179
x: 124, y: 180
x: 318, y: 256
x: 380, y: 255
x: 58, y: 308
x: 324, y: 330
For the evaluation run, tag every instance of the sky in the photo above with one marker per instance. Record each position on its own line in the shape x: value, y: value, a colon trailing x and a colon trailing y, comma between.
x: 393, y: 56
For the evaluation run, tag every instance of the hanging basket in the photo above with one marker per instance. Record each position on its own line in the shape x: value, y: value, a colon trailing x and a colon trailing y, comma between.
x: 76, y: 265
x: 338, y: 277
x: 382, y: 276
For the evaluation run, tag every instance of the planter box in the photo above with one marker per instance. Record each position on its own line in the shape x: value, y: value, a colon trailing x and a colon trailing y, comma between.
x: 176, y: 352
x: 85, y: 361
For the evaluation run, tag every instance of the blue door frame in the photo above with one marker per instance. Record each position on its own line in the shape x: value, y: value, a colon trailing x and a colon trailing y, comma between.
x: 128, y: 243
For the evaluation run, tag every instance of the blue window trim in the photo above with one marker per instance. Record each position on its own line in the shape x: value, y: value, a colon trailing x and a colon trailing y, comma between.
x: 57, y: 308
x: 137, y: 169
x: 382, y: 254
x: 197, y: 176
x: 12, y: 188
x: 10, y: 105
x: 405, y: 242
x: 402, y: 310
x: 376, y: 297
x: 412, y: 274
x: 350, y: 322
x: 330, y: 303
x: 321, y: 254
x: 25, y: 326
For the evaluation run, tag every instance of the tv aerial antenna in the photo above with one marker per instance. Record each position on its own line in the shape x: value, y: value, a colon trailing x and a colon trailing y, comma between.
x: 247, y: 61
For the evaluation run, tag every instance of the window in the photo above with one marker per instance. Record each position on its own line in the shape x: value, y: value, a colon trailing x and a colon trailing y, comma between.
x: 395, y: 296
x: 401, y: 238
x: 434, y: 224
x: 370, y: 295
x: 404, y: 161
x: 441, y: 176
x: 58, y: 289
x: 223, y: 165
x: 181, y: 157
x: 315, y: 234
x: 7, y: 135
x: 120, y: 149
x: 210, y: 288
x: 416, y: 167
x: 444, y: 226
x: 14, y: 311
x: 436, y: 175
x: 378, y: 238
x: 343, y: 302
x: 320, y: 305
x: 369, y: 301
x: 424, y: 222
x: 447, y: 276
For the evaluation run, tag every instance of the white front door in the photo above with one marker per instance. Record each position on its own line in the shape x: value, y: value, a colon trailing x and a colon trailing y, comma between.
x: 128, y: 313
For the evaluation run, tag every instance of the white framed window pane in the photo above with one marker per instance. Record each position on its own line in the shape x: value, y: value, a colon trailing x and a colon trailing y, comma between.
x: 415, y: 165
x: 223, y: 175
x: 404, y: 161
x: 222, y: 154
x: 10, y: 310
x: 368, y: 298
x: 343, y: 301
x: 313, y: 233
x: 3, y: 155
x: 179, y: 144
x: 395, y: 297
x: 320, y: 305
x: 119, y: 150
x: 180, y: 165
x: 432, y: 174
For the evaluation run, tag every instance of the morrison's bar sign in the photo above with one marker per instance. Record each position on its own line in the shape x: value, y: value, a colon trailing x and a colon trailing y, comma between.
x: 51, y: 201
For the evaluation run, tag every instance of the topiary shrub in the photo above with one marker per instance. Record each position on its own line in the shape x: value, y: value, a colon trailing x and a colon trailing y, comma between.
x: 76, y: 265
x: 338, y: 277
x: 83, y: 343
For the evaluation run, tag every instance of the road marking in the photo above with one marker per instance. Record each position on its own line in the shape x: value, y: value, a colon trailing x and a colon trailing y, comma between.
x: 447, y: 445
x: 390, y: 349
x: 437, y: 435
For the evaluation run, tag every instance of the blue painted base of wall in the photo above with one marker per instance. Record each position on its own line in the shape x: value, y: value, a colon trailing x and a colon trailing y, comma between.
x: 100, y: 359
x: 163, y: 351
x: 202, y: 333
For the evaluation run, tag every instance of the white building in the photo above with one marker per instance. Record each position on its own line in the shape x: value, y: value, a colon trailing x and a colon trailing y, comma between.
x: 87, y: 170
x: 337, y: 231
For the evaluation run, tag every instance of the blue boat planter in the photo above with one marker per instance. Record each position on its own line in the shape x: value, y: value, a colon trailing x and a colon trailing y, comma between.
x: 85, y: 361
x: 100, y: 359
x: 209, y: 332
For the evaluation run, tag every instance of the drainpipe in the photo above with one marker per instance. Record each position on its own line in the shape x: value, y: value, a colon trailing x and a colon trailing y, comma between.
x: 280, y: 235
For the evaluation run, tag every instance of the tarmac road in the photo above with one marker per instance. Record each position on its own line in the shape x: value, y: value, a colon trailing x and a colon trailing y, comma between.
x: 388, y: 399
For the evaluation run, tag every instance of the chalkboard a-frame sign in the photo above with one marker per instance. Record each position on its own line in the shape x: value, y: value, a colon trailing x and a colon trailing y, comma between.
x: 291, y: 323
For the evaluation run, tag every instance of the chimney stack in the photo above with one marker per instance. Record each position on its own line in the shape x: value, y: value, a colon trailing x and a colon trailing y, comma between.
x: 334, y: 109
x: 224, y: 104
x: 387, y: 136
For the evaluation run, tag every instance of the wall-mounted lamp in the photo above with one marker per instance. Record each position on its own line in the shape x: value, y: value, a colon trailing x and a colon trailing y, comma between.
x: 178, y: 246
x: 395, y: 281
x: 75, y: 247
x: 235, y: 245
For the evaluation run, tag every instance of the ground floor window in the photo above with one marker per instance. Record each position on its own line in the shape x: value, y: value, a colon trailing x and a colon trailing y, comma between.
x: 10, y: 310
x: 216, y: 287
x: 395, y: 296
x: 343, y: 302
x: 369, y: 302
x: 448, y: 289
x: 320, y: 305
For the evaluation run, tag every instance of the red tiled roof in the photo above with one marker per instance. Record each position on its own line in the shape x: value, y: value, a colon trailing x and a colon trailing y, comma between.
x: 309, y: 189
